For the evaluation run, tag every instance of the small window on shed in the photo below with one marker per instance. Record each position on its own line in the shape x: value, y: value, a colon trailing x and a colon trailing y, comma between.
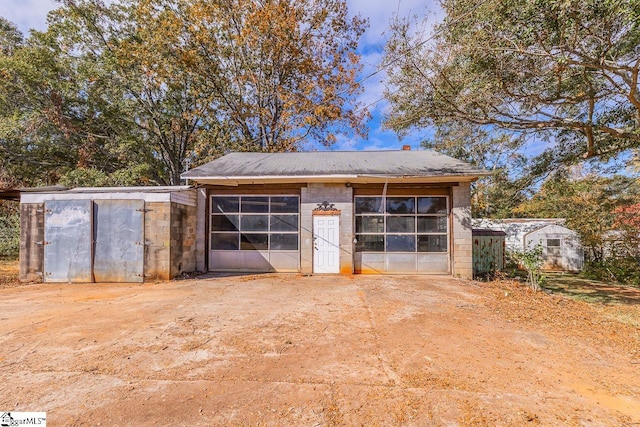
x: 553, y: 242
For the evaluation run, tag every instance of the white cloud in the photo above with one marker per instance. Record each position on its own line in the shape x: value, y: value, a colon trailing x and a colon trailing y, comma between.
x: 27, y: 14
x: 380, y: 13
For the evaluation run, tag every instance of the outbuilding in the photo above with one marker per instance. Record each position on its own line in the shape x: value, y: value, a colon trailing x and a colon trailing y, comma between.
x: 337, y: 212
x: 107, y: 234
x: 385, y: 212
x: 561, y: 247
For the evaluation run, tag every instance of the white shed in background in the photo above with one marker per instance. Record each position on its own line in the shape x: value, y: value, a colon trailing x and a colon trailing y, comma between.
x: 561, y: 247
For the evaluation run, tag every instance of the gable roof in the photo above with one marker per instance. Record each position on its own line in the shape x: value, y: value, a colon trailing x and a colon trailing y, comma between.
x: 334, y: 166
x: 553, y: 228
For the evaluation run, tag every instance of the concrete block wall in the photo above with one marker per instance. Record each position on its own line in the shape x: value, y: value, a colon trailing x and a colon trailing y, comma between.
x: 182, y: 239
x: 342, y: 197
x: 461, y: 233
x: 202, y: 216
x: 31, y: 239
x: 157, y: 234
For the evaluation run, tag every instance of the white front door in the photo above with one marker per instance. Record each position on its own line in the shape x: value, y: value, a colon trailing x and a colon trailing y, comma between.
x: 326, y: 244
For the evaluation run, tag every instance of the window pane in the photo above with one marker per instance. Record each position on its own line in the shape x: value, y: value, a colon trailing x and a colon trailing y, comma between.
x: 284, y: 222
x: 432, y: 243
x: 400, y: 243
x: 401, y: 224
x: 432, y: 224
x: 254, y: 242
x: 284, y: 204
x: 369, y: 205
x: 553, y: 242
x: 369, y: 224
x: 400, y: 205
x: 224, y: 204
x: 255, y: 204
x: 224, y: 241
x: 432, y: 205
x: 284, y: 242
x: 224, y: 222
x: 369, y: 243
x: 254, y: 223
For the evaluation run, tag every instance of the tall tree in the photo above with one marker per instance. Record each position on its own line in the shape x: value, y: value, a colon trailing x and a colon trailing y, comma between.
x: 54, y: 119
x: 277, y: 71
x: 199, y: 78
x: 496, y: 195
x: 590, y: 204
x: 564, y: 69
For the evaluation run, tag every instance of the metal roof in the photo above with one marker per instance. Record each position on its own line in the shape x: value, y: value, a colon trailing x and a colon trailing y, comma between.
x: 336, y: 165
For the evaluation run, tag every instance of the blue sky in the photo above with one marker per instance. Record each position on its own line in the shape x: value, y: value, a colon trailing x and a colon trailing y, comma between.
x: 28, y: 14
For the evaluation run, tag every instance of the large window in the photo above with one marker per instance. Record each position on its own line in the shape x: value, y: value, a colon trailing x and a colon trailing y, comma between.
x: 254, y: 223
x: 401, y: 224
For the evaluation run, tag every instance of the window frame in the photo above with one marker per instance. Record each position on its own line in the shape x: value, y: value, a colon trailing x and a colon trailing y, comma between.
x: 239, y: 232
x: 385, y: 215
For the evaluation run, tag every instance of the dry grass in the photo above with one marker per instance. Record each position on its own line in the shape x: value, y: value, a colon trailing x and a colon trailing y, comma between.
x: 9, y: 271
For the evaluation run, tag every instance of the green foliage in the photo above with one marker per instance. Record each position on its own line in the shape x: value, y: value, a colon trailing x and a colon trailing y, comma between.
x: 115, y: 89
x: 563, y: 71
x: 588, y: 204
x: 622, y: 270
x: 84, y: 178
x: 9, y: 230
x: 496, y: 195
x: 89, y: 177
x: 531, y: 260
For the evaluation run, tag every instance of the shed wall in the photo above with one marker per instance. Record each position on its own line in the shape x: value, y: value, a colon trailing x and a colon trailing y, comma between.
x: 488, y: 253
x: 568, y: 256
x: 31, y: 239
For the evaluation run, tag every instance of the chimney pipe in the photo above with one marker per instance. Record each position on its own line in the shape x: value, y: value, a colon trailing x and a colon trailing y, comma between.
x: 406, y: 148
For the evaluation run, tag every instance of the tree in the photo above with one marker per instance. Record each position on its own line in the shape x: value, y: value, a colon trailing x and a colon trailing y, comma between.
x: 496, y: 195
x: 588, y: 203
x: 566, y: 70
x: 199, y: 78
x: 54, y: 119
x: 278, y: 71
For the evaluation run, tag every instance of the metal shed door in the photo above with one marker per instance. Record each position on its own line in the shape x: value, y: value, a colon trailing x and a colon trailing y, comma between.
x: 67, y: 246
x: 119, y: 240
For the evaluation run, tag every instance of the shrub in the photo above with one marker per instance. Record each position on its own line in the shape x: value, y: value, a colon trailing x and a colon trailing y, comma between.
x: 622, y: 270
x: 9, y: 233
x: 531, y: 261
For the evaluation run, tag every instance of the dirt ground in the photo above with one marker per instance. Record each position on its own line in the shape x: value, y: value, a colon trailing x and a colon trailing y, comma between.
x: 316, y: 351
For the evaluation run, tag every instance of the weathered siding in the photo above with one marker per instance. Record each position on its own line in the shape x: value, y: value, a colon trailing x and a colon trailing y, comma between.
x: 567, y: 256
x: 202, y: 230
x: 186, y: 197
x: 31, y: 239
x: 488, y: 253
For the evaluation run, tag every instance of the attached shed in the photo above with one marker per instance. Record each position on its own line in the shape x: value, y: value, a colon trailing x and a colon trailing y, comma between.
x: 561, y: 247
x: 107, y: 234
x: 337, y: 212
x: 488, y: 251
